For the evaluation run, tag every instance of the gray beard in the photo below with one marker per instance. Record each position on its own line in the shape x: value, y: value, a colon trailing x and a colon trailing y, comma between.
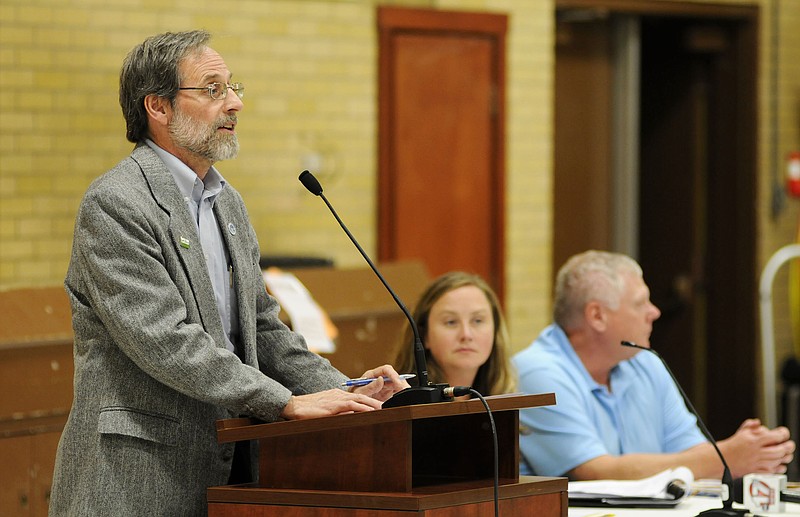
x: 203, y: 140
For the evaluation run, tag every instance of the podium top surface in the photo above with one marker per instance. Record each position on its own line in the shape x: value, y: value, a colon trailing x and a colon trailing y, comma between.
x: 237, y: 429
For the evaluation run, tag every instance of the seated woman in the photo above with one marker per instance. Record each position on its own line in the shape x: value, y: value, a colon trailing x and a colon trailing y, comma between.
x: 465, y: 337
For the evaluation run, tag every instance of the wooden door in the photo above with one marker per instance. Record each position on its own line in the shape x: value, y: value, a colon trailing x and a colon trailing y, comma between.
x: 582, y: 152
x: 441, y: 177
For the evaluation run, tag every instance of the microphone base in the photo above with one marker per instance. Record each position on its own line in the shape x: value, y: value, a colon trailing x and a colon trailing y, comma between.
x: 418, y: 395
x: 724, y: 512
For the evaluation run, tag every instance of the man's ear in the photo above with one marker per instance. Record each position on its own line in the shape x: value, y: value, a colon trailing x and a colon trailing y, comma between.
x: 159, y: 109
x: 595, y: 315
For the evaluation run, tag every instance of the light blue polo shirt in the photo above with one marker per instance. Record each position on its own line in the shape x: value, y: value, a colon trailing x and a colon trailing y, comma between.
x: 644, y: 412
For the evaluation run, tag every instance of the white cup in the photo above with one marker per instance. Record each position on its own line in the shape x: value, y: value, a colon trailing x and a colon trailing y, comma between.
x: 762, y: 492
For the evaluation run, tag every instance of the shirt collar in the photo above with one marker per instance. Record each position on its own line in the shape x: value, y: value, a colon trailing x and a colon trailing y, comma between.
x: 572, y: 356
x: 185, y: 177
x: 617, y: 376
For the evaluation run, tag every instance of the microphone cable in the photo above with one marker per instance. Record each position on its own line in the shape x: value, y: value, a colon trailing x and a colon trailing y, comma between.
x: 496, y: 466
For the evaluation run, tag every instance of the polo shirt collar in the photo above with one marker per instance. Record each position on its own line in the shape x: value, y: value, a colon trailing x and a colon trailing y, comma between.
x: 619, y: 376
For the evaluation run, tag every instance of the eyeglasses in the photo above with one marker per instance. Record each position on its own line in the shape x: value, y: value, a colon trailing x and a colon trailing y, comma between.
x: 219, y: 90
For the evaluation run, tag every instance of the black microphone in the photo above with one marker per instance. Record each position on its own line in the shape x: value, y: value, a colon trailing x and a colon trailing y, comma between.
x: 727, y: 509
x: 425, y: 392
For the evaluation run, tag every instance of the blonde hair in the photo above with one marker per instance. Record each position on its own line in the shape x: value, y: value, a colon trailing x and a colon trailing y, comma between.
x: 496, y: 375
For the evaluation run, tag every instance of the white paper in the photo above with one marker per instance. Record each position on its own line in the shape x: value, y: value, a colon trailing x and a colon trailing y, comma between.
x: 305, y: 315
x: 653, y: 486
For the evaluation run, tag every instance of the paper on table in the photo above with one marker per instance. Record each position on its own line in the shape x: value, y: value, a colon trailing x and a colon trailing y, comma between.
x: 652, y: 487
x: 305, y: 315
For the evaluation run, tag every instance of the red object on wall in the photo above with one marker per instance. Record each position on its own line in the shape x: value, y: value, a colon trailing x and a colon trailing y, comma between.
x: 793, y: 174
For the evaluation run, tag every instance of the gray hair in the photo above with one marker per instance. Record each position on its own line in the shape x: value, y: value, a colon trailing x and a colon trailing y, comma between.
x: 590, y: 276
x: 152, y: 67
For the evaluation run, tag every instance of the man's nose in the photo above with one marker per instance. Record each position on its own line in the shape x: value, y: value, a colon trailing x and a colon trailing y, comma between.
x: 656, y: 312
x: 232, y: 101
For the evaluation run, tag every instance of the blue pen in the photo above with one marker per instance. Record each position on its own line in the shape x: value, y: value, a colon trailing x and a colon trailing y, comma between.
x: 366, y: 380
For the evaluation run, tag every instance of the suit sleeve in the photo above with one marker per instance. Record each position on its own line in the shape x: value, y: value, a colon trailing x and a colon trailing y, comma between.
x: 282, y: 354
x: 126, y: 279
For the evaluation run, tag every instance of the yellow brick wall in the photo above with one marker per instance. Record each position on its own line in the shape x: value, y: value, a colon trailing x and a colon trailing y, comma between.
x: 780, y: 134
x: 310, y: 71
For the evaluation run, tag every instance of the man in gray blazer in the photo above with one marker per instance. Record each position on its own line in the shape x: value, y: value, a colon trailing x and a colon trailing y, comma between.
x: 173, y: 326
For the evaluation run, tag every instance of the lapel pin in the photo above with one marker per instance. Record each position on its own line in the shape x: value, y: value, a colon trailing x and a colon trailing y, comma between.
x: 231, y: 229
x: 185, y: 242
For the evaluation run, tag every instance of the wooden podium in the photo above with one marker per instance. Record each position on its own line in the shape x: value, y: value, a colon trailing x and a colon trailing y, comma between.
x: 433, y: 460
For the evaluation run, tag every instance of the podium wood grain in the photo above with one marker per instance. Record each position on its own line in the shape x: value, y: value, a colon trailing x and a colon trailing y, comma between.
x: 539, y: 496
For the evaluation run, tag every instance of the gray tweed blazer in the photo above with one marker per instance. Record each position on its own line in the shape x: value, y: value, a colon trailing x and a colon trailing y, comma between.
x: 152, y: 374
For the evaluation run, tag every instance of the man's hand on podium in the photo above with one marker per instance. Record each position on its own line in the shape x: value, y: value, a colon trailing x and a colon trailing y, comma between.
x: 328, y: 402
x: 337, y: 401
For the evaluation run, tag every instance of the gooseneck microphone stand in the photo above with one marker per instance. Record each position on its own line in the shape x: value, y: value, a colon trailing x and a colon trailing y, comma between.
x: 425, y: 392
x: 727, y: 509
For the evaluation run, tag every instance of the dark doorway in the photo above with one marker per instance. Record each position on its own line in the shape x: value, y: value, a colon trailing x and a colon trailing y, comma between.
x: 697, y: 210
x: 695, y: 181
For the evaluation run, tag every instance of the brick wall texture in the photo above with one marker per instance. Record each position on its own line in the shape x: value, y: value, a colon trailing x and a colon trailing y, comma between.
x: 310, y: 69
